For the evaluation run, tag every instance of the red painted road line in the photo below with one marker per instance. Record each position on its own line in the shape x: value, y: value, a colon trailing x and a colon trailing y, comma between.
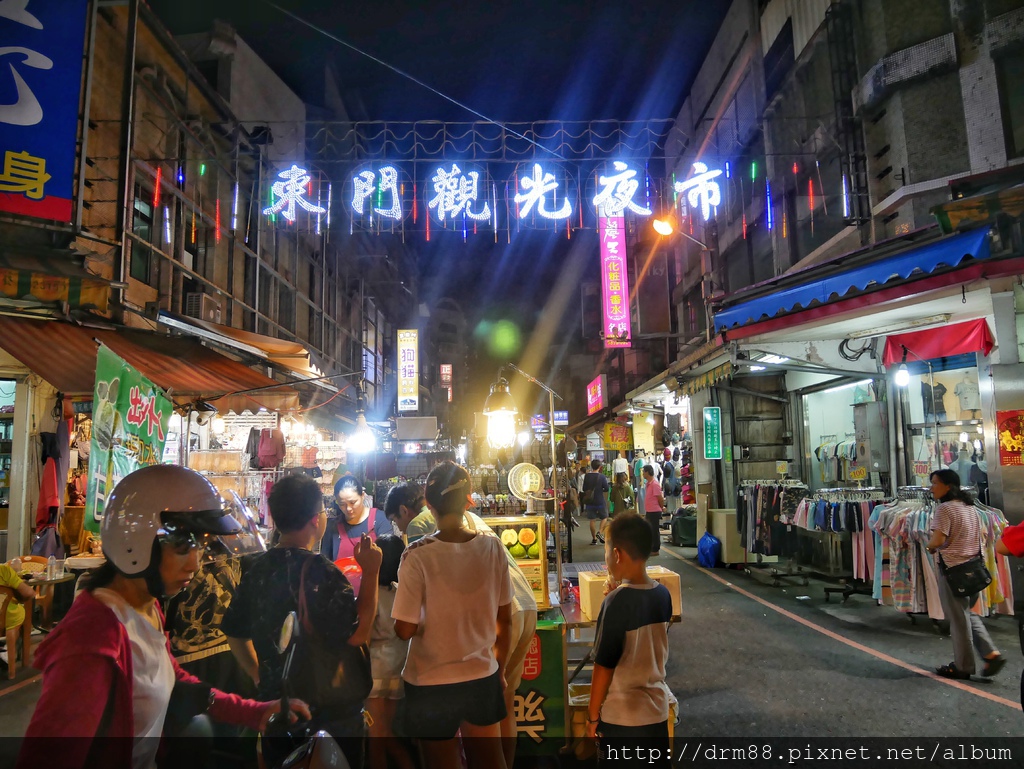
x: 21, y: 684
x: 853, y: 644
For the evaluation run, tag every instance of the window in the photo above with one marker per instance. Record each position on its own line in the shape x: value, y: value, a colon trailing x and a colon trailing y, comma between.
x: 144, y: 228
x: 1010, y: 73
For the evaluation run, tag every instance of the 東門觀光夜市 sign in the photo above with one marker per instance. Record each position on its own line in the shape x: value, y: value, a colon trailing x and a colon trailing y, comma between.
x: 43, y: 44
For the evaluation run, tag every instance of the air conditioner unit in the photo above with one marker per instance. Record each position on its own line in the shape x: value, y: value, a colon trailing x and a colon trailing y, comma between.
x: 202, y: 306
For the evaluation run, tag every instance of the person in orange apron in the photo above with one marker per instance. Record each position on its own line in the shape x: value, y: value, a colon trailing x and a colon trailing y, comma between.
x: 352, y: 518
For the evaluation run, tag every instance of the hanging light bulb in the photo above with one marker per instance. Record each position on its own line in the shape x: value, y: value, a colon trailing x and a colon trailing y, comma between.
x: 902, y: 377
x: 501, y: 412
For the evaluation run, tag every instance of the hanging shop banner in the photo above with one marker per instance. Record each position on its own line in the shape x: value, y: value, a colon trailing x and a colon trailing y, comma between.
x: 712, y: 432
x: 1010, y: 429
x: 129, y: 427
x: 539, y: 703
x: 408, y: 370
x: 77, y: 292
x: 597, y: 394
x: 614, y: 282
x: 44, y: 44
x: 706, y: 380
x: 618, y: 437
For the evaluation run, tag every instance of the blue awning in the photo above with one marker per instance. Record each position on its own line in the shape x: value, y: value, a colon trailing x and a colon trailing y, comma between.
x: 948, y: 252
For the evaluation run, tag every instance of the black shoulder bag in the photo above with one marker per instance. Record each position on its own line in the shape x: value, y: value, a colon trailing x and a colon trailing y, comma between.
x: 969, y: 577
x: 328, y: 678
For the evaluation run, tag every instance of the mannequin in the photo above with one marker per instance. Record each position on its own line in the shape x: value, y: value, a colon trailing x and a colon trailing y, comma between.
x: 979, y: 478
x: 962, y: 467
x: 970, y: 398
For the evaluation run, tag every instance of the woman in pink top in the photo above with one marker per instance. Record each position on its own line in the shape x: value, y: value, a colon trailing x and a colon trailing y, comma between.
x: 956, y: 535
x: 654, y: 505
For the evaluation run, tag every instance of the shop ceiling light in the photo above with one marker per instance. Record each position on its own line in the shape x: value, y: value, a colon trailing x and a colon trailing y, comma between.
x: 362, y: 440
x: 758, y: 368
x: 775, y: 360
x: 848, y: 386
x: 931, y: 320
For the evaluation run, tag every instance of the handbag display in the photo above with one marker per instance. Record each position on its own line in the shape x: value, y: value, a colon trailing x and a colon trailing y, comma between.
x: 968, y: 578
x: 332, y: 679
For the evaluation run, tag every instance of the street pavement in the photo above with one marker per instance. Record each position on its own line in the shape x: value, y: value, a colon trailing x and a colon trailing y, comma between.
x: 750, y: 660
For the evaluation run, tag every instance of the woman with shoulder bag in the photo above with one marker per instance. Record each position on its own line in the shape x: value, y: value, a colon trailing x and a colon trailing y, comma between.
x: 957, y: 536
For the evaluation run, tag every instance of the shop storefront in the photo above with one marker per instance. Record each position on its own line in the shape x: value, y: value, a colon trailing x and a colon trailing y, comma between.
x: 53, y: 396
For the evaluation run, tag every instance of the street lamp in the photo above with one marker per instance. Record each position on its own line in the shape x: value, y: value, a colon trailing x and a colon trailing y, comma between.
x: 500, y: 410
x: 663, y: 226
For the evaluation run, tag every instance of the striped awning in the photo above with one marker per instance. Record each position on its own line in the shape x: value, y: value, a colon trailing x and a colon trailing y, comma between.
x: 64, y: 355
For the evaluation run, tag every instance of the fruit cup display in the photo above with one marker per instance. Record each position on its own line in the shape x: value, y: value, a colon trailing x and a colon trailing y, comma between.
x: 522, y: 543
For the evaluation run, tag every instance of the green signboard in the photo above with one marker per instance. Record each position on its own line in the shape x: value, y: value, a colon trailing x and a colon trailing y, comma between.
x: 129, y: 427
x: 540, y: 699
x: 712, y: 432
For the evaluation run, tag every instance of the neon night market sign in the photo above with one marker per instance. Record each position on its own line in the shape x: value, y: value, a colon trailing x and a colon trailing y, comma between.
x: 701, y: 189
x: 456, y: 191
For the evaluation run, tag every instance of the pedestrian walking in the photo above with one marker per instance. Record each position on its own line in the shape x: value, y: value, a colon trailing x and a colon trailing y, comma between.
x: 654, y: 506
x: 595, y: 502
x: 956, y: 536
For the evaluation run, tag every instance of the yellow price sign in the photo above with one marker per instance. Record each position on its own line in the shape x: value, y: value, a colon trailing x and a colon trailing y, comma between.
x: 858, y: 473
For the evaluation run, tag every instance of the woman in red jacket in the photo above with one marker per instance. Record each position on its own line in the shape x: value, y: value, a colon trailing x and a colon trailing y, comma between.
x: 108, y: 671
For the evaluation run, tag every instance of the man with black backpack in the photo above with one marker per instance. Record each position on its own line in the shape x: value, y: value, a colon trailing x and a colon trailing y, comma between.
x: 595, y: 500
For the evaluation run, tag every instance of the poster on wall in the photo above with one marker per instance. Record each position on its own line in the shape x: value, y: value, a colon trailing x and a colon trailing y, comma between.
x: 1010, y: 429
x: 39, y: 115
x: 408, y: 370
x: 129, y: 427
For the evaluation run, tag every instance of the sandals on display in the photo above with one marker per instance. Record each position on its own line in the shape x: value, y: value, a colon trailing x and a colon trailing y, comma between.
x: 993, y: 666
x: 951, y: 671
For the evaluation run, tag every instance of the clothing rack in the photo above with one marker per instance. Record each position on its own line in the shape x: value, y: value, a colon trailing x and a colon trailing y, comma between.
x: 785, y: 570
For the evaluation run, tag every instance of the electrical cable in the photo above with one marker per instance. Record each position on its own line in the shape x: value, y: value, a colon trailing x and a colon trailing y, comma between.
x: 406, y: 75
x: 854, y: 355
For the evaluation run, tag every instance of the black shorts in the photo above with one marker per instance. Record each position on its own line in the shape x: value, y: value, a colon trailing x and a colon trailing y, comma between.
x: 595, y: 513
x: 436, y: 712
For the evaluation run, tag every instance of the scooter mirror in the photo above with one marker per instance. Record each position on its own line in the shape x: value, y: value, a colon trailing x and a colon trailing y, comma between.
x: 287, y: 632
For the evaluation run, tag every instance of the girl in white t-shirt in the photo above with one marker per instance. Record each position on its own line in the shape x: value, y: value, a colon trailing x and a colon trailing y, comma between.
x: 454, y: 602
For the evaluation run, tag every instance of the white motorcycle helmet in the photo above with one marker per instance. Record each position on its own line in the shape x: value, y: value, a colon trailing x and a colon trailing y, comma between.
x: 161, y: 503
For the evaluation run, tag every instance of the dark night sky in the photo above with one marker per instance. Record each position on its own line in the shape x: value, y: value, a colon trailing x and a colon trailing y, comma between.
x: 512, y: 60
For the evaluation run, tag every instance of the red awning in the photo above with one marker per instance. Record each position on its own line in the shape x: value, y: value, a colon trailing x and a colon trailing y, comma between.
x: 942, y: 342
x: 65, y: 356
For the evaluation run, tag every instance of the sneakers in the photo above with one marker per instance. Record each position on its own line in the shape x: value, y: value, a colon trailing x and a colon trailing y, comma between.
x: 600, y: 538
x: 593, y: 541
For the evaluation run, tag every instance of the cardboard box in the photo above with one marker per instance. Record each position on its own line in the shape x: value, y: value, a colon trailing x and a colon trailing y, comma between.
x: 592, y: 589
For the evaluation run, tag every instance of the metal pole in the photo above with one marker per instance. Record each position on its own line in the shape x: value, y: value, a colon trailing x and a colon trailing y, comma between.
x: 935, y: 416
x: 124, y: 171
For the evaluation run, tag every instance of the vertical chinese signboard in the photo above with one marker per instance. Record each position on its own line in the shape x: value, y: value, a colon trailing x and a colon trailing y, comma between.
x: 408, y: 370
x: 596, y: 393
x: 129, y: 427
x: 712, y: 432
x: 539, y: 702
x: 446, y: 379
x: 614, y: 281
x: 42, y: 43
x: 1010, y: 431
